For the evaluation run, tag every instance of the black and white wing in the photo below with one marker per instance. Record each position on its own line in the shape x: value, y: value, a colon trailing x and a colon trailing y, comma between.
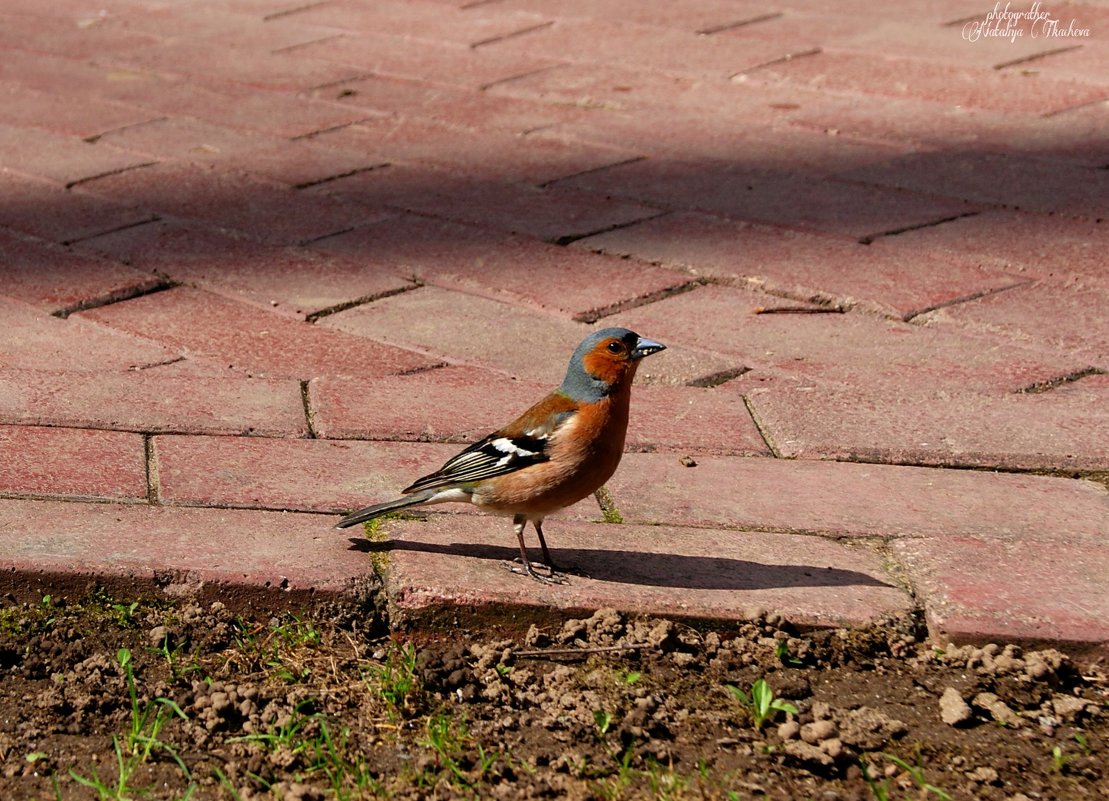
x: 493, y: 456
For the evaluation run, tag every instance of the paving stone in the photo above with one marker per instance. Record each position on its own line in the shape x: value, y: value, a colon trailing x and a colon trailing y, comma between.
x: 487, y: 333
x: 296, y: 281
x: 279, y: 557
x: 249, y: 339
x: 556, y: 214
x: 1037, y: 431
x: 216, y: 63
x: 71, y: 461
x: 183, y: 139
x: 264, y: 209
x: 153, y: 400
x: 1058, y: 315
x: 82, y: 117
x: 950, y: 43
x: 453, y: 105
x: 64, y: 159
x: 778, y: 197
x: 1031, y: 591
x: 801, y: 265
x: 459, y: 564
x: 431, y: 21
x: 1078, y: 135
x: 702, y: 134
x: 34, y: 339
x: 696, y: 16
x: 847, y: 500
x: 410, y: 407
x: 854, y: 349
x: 85, y: 38
x: 301, y: 163
x: 997, y: 179
x: 488, y: 154
x: 645, y: 47
x: 478, y: 261
x: 310, y: 475
x: 950, y: 84
x: 1033, y: 245
x: 58, y: 280
x: 395, y: 56
x: 241, y: 108
x: 48, y: 211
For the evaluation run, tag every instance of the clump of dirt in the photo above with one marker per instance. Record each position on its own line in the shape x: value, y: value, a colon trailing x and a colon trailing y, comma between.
x: 110, y: 699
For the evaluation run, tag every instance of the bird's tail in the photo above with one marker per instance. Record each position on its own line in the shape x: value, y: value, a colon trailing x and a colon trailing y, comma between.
x: 377, y: 510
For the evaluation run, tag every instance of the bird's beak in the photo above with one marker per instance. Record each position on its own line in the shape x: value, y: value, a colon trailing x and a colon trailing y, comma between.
x: 645, y: 347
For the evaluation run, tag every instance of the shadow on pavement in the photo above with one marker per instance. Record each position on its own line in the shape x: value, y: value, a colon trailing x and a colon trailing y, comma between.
x: 651, y: 569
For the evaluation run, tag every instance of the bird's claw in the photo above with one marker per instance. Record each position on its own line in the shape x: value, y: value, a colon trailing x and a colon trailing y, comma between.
x: 549, y: 576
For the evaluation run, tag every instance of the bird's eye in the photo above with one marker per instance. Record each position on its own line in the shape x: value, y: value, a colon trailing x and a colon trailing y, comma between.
x: 615, y: 347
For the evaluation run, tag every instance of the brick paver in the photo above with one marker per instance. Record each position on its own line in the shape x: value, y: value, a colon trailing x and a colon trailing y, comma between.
x: 275, y: 257
x: 460, y: 563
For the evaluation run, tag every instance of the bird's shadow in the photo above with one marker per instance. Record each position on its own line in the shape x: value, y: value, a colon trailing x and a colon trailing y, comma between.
x: 651, y: 569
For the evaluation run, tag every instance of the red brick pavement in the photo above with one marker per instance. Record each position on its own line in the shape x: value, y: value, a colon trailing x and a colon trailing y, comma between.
x: 264, y: 262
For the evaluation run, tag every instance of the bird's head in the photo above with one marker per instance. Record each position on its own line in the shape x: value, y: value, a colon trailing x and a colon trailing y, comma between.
x: 605, y: 359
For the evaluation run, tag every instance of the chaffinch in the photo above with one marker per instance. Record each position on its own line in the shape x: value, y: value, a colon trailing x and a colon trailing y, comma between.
x: 560, y: 450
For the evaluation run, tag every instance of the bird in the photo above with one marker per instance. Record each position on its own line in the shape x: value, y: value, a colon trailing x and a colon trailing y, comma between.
x: 562, y: 449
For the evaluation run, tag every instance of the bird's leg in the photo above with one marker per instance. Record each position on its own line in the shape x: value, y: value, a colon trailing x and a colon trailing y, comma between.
x: 519, y: 523
x: 543, y: 544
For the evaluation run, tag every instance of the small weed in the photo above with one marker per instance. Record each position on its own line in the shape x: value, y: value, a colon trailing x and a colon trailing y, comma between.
x: 136, y: 745
x: 447, y: 737
x: 631, y: 677
x: 760, y: 703
x: 603, y: 722
x: 781, y: 651
x: 915, y: 772
x: 395, y: 680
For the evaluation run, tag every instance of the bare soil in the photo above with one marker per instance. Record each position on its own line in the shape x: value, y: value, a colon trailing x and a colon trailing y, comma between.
x: 328, y: 704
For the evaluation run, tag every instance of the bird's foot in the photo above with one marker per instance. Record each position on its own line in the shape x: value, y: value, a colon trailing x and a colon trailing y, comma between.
x: 544, y: 574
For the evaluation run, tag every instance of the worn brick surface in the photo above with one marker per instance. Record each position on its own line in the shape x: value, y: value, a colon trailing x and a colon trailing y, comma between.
x: 1052, y: 591
x: 488, y: 154
x: 1080, y: 135
x: 854, y: 349
x: 394, y: 56
x: 801, y: 265
x: 578, y: 284
x: 1031, y: 431
x: 83, y: 117
x: 668, y: 570
x: 153, y: 400
x: 303, y: 474
x: 33, y: 339
x: 267, y: 210
x: 1032, y: 245
x: 1070, y: 317
x: 46, y: 210
x: 73, y: 547
x: 64, y: 159
x: 457, y: 327
x: 951, y: 84
x: 377, y: 94
x: 839, y: 499
x: 1002, y: 180
x: 782, y: 198
x: 555, y: 214
x: 242, y: 108
x: 411, y: 407
x: 249, y: 339
x: 57, y: 280
x: 287, y: 280
x: 645, y: 47
x: 71, y: 461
